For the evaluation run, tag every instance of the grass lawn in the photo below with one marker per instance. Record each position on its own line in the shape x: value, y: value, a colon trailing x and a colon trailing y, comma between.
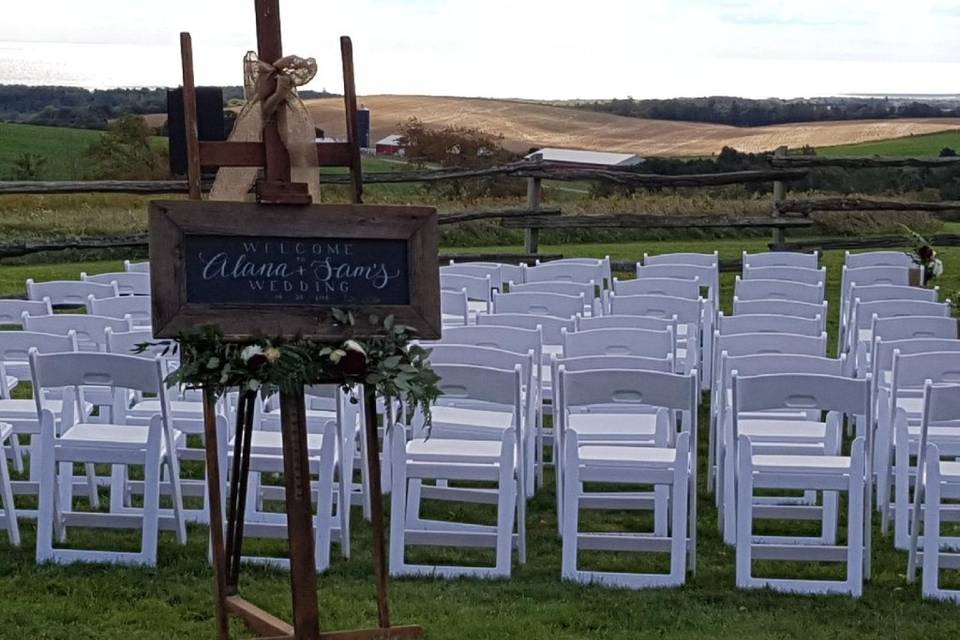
x: 61, y: 146
x: 174, y: 599
x: 928, y: 144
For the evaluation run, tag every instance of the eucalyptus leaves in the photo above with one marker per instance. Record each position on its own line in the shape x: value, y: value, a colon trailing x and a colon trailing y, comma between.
x: 386, y: 363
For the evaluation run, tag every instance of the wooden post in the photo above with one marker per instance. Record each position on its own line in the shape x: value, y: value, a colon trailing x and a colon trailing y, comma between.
x: 296, y: 473
x: 531, y: 236
x: 190, y: 116
x: 376, y: 508
x: 779, y: 195
x: 270, y: 49
x: 350, y: 106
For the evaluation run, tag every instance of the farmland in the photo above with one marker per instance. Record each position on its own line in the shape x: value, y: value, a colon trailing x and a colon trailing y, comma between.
x: 928, y: 144
x: 525, y: 124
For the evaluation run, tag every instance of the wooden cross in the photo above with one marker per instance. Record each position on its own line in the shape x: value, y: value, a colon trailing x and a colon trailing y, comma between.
x: 276, y: 188
x: 270, y: 154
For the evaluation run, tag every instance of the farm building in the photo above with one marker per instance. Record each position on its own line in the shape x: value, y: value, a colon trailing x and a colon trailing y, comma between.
x: 584, y: 159
x: 390, y: 146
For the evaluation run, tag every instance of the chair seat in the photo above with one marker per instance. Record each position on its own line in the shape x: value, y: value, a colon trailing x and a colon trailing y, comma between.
x: 950, y: 471
x: 767, y: 429
x: 910, y: 405
x: 452, y: 416
x: 267, y: 443
x: 801, y: 464
x: 613, y: 425
x: 453, y: 450
x: 616, y: 456
x: 26, y: 409
x: 106, y: 435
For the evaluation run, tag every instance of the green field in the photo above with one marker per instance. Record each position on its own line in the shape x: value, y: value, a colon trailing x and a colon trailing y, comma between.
x: 921, y: 145
x: 61, y: 146
x: 173, y: 600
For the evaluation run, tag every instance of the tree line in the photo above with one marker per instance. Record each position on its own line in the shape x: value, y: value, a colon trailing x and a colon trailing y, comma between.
x: 93, y: 109
x: 745, y: 112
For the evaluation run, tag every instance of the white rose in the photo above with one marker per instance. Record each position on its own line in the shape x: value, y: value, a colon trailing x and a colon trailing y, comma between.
x: 937, y: 268
x: 336, y: 355
x: 250, y: 351
x: 253, y: 385
x: 353, y: 345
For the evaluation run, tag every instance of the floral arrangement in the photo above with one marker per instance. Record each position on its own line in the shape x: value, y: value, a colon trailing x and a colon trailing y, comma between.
x: 924, y: 255
x: 385, y: 362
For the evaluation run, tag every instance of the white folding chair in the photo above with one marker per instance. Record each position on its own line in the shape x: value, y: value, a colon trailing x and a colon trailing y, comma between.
x: 69, y: 293
x: 587, y: 289
x: 9, y: 514
x: 89, y: 329
x: 827, y: 473
x: 877, y: 259
x: 136, y: 267
x: 489, y: 453
x: 454, y: 308
x: 700, y: 259
x: 11, y: 311
x: 782, y: 308
x: 671, y: 468
x: 479, y: 289
x: 756, y: 289
x: 859, y: 337
x: 477, y: 270
x: 541, y: 304
x: 790, y: 274
x: 769, y: 323
x: 675, y: 287
x: 601, y: 265
x: 129, y: 283
x: 560, y: 270
x: 781, y: 259
x: 136, y: 307
x: 938, y: 481
x: 116, y: 443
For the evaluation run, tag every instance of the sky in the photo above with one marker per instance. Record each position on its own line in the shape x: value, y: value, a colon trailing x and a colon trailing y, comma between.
x: 539, y: 49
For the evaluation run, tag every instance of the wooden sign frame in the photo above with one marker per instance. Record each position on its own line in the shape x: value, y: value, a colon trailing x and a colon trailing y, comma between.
x: 171, y: 222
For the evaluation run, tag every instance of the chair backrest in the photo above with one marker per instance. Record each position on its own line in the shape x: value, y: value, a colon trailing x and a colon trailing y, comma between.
x: 907, y: 327
x: 137, y: 307
x: 675, y: 287
x: 708, y: 275
x: 804, y: 391
x: 136, y: 267
x: 619, y: 342
x: 536, y: 303
x: 624, y: 321
x: 865, y: 276
x: 740, y: 344
x: 699, y: 259
x: 778, y: 290
x: 477, y: 288
x: 129, y: 283
x: 910, y: 371
x: 780, y: 307
x: 874, y: 292
x: 883, y: 350
x: 550, y: 326
x: 482, y: 357
x: 686, y: 311
x: 587, y: 289
x: 454, y: 304
x: 941, y: 403
x: 515, y: 339
x: 864, y: 312
x: 765, y: 363
x: 791, y: 274
x: 11, y: 311
x: 558, y: 270
x: 768, y: 323
x: 628, y: 386
x: 877, y: 259
x: 782, y: 259
x: 477, y: 270
x: 69, y: 292
x: 603, y: 262
x: 481, y: 384
x: 125, y: 342
x: 89, y: 329
x: 57, y: 370
x: 15, y: 346
x: 633, y: 363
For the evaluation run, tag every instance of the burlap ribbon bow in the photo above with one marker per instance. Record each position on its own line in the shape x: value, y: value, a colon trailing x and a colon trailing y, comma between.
x: 266, y: 101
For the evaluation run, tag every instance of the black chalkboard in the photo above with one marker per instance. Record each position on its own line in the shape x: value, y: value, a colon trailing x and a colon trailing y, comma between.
x: 295, y: 271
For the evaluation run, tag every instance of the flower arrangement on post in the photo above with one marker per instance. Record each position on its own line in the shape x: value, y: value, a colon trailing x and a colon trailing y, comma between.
x: 924, y: 256
x: 386, y: 363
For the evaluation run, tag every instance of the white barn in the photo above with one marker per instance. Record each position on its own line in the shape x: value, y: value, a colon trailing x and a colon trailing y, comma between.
x: 581, y: 158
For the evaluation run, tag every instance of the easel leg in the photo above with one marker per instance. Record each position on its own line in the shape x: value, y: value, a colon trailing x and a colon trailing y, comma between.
x: 376, y: 509
x: 216, y: 512
x: 238, y: 488
x: 296, y: 470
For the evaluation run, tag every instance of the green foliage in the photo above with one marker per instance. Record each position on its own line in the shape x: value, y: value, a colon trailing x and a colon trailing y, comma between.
x: 29, y: 166
x: 125, y: 152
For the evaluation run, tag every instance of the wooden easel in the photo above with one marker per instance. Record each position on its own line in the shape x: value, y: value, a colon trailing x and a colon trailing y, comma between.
x: 276, y: 187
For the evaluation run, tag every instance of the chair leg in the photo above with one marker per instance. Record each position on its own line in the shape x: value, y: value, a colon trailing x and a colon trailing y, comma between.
x: 680, y: 491
x: 744, y: 520
x: 398, y: 499
x: 9, y: 508
x: 325, y: 518
x: 857, y: 512
x: 48, y: 494
x: 901, y: 502
x: 151, y: 499
x: 118, y: 488
x: 17, y: 452
x: 509, y: 501
x: 92, y: 492
x: 571, y: 505
x: 176, y: 495
x: 931, y: 526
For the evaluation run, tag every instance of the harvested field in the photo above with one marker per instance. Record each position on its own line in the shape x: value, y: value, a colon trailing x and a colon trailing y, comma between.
x: 526, y: 124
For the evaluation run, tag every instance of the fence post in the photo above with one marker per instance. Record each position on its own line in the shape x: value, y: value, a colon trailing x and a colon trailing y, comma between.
x: 531, y: 237
x: 779, y: 194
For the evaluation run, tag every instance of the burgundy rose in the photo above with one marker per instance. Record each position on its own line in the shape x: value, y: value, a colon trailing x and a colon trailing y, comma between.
x: 353, y: 363
x: 256, y: 361
x: 925, y: 253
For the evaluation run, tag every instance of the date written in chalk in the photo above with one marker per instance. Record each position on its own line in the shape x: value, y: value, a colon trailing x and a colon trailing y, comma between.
x: 268, y: 270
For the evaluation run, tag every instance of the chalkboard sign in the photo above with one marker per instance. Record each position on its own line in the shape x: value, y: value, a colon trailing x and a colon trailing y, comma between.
x: 256, y: 269
x: 276, y: 270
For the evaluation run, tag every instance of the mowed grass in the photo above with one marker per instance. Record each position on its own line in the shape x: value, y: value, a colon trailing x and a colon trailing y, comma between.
x: 928, y: 144
x: 174, y: 599
x: 62, y: 147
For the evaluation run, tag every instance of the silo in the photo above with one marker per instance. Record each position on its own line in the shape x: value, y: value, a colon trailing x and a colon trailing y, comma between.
x: 363, y: 127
